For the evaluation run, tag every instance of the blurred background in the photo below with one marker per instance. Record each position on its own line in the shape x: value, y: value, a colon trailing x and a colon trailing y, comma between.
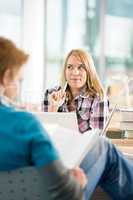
x: 49, y: 29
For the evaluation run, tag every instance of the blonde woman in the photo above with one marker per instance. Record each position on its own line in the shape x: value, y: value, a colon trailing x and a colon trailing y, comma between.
x: 84, y: 92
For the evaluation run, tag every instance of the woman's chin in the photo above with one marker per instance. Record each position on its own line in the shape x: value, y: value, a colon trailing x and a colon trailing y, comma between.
x: 76, y: 86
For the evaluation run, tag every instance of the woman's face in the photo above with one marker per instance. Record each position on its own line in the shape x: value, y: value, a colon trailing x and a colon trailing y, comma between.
x: 12, y: 84
x: 75, y: 73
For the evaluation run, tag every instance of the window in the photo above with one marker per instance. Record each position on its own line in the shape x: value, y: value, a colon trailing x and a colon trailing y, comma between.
x: 11, y: 20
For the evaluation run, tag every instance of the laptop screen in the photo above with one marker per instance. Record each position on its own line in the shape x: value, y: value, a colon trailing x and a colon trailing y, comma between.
x: 108, y: 121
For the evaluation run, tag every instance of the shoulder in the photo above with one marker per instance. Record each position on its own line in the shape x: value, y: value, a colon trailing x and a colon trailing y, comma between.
x: 100, y: 102
x: 22, y: 119
x: 98, y: 99
x: 93, y: 100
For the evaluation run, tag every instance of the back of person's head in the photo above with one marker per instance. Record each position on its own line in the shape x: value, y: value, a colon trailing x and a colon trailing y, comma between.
x: 93, y: 83
x: 11, y: 57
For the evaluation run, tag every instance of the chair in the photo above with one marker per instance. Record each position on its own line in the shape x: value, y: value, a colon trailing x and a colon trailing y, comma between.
x: 29, y: 184
x: 23, y: 184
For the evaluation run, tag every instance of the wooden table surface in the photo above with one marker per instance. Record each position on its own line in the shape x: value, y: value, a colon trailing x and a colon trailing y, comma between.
x: 125, y: 145
x: 123, y: 142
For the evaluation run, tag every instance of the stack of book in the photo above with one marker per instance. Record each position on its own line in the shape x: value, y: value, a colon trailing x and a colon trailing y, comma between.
x: 115, y: 121
x: 126, y: 121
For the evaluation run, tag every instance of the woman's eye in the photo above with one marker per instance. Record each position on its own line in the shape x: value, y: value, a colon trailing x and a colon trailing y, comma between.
x: 69, y: 66
x: 81, y: 67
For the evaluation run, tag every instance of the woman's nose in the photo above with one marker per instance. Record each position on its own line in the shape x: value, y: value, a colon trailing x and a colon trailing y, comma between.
x: 75, y: 71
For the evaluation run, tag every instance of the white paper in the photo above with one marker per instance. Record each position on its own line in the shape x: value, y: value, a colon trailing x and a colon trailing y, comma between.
x: 71, y: 145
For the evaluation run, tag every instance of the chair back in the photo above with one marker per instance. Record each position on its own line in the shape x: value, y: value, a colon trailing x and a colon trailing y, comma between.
x: 23, y: 184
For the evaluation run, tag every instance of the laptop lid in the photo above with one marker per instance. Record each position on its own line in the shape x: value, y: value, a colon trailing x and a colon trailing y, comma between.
x: 104, y: 131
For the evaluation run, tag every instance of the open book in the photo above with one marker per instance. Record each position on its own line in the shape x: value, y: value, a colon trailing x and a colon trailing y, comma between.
x: 71, y: 145
x: 64, y: 119
x: 63, y: 130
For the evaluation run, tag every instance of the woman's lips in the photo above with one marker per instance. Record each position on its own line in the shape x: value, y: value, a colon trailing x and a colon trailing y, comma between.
x: 74, y: 79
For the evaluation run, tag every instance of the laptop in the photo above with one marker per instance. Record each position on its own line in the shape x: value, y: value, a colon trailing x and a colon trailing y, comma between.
x: 63, y: 119
x: 104, y: 131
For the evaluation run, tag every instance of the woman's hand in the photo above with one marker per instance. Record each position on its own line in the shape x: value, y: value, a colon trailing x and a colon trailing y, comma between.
x: 80, y: 176
x: 56, y: 99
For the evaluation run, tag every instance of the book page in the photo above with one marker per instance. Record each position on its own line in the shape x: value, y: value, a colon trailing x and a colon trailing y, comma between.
x: 71, y: 145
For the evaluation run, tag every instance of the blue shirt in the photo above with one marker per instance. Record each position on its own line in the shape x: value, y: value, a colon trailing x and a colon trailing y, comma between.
x: 23, y: 140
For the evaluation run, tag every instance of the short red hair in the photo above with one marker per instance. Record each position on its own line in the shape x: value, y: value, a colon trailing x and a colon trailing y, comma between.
x: 11, y: 57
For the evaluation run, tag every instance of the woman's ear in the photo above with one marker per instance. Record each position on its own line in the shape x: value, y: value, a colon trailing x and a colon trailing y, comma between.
x: 7, y: 78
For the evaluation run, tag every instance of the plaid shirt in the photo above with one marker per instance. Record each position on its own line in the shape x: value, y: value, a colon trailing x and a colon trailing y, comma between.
x: 91, y: 111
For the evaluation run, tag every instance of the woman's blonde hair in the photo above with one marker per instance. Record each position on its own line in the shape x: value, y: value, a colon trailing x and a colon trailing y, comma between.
x: 94, y: 86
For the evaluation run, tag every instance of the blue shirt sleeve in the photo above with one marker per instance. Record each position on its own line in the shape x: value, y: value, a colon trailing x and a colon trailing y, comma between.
x: 42, y: 150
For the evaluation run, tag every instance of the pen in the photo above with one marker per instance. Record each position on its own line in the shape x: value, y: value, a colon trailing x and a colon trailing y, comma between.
x: 63, y: 90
